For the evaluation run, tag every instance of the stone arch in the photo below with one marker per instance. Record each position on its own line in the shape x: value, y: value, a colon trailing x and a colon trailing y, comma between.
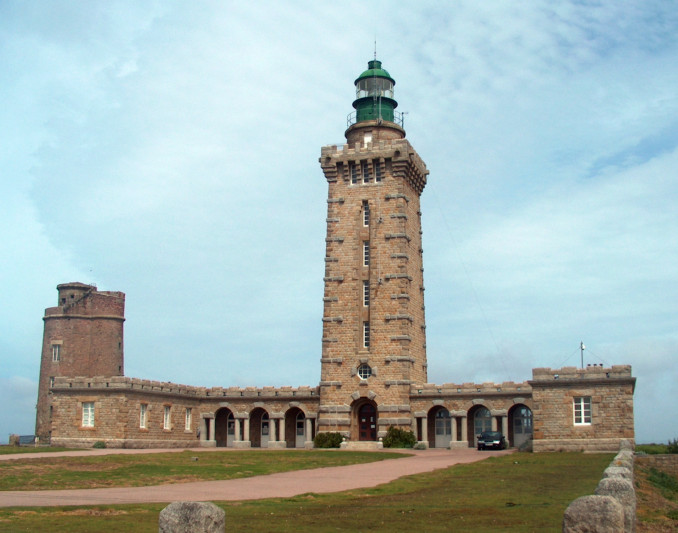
x: 224, y: 427
x: 260, y: 426
x: 479, y: 419
x: 519, y: 425
x: 364, y: 420
x: 439, y: 422
x: 295, y: 428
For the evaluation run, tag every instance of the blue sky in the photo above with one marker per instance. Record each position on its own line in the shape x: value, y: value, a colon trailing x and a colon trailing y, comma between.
x: 170, y: 150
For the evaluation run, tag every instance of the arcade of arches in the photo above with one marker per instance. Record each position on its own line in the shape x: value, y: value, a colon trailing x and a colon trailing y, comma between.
x: 258, y: 428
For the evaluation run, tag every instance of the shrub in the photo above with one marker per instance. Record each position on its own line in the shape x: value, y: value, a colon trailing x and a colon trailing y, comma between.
x: 99, y: 444
x: 399, y: 438
x: 328, y: 440
x: 673, y: 446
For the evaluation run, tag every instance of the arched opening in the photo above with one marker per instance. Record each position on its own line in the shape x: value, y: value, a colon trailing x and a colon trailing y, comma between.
x: 479, y: 420
x: 365, y: 423
x: 259, y: 428
x: 224, y: 427
x: 295, y: 428
x: 520, y: 425
x: 439, y: 427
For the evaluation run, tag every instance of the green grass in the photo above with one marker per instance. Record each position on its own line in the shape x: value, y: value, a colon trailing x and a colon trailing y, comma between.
x: 6, y: 450
x: 652, y: 449
x: 519, y: 492
x: 159, y: 468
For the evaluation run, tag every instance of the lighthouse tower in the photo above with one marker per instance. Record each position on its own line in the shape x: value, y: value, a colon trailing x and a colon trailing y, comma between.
x: 374, y: 331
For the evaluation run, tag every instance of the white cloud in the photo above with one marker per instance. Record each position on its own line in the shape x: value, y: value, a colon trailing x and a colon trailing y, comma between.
x: 171, y: 153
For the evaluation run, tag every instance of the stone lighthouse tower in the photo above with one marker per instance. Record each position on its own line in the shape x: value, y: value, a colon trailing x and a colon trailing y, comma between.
x: 83, y: 337
x: 374, y: 332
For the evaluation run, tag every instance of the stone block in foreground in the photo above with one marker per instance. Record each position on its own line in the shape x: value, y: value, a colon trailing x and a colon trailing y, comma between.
x: 188, y: 517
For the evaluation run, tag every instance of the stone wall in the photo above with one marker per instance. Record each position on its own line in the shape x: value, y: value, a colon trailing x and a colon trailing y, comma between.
x: 610, y: 391
x: 117, y: 410
x: 612, y: 509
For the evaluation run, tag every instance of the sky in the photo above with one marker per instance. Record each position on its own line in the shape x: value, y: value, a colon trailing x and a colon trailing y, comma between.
x: 169, y: 150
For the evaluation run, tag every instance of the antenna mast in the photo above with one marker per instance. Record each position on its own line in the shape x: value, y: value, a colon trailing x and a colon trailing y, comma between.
x: 582, y: 348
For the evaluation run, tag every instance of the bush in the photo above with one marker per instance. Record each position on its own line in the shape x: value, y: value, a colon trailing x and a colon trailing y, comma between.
x: 399, y: 438
x: 328, y: 440
x: 99, y: 444
x: 672, y: 447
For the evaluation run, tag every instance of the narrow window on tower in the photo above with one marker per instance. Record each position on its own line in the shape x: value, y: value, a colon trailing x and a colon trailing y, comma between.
x: 366, y: 253
x: 166, y: 419
x: 366, y: 213
x: 366, y: 172
x: 189, y: 418
x: 56, y: 352
x: 88, y: 414
x: 366, y: 334
x: 142, y: 415
x: 366, y: 293
x: 354, y: 173
x: 377, y: 171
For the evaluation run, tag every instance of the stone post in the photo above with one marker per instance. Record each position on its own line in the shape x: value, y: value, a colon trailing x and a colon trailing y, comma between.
x: 464, y: 429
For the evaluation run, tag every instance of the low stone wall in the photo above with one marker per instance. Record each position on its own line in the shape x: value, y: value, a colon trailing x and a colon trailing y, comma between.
x: 67, y: 442
x: 613, y: 506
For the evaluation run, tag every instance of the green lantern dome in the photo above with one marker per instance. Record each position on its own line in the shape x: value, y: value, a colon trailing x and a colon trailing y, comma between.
x: 374, y: 94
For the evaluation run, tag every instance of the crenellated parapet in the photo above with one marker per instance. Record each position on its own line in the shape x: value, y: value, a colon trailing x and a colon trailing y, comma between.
x: 431, y: 390
x: 115, y: 384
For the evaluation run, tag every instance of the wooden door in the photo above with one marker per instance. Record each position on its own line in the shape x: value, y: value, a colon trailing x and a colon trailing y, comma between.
x: 367, y: 422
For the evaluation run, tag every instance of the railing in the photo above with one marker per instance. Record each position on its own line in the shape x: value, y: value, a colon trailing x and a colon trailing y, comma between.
x: 398, y: 118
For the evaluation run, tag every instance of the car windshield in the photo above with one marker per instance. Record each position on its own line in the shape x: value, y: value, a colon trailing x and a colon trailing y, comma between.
x: 495, y: 435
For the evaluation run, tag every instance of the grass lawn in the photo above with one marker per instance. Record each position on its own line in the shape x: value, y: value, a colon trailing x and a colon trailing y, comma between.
x: 518, y: 492
x: 159, y: 468
x: 6, y: 450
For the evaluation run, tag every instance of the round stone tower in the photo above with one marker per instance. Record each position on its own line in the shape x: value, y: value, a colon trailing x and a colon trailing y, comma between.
x: 83, y: 337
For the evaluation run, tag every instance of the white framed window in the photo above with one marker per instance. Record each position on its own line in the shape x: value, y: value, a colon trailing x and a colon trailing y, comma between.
x: 88, y: 414
x: 377, y: 171
x: 364, y: 371
x: 366, y: 213
x: 366, y: 172
x: 167, y: 418
x: 366, y: 334
x: 353, y: 170
x: 189, y: 417
x: 582, y: 410
x: 56, y: 352
x: 366, y: 293
x: 143, y: 408
x: 51, y: 382
x: 366, y: 253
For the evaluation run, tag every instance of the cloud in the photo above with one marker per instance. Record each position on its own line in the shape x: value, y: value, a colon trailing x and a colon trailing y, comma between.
x: 171, y: 153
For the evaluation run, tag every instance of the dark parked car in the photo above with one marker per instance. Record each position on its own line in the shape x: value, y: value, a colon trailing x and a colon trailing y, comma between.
x: 491, y: 439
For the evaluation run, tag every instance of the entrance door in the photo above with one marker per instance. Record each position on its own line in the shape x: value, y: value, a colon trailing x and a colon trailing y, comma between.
x: 367, y: 422
x: 443, y: 428
x: 482, y: 421
x: 522, y: 426
x: 300, y: 433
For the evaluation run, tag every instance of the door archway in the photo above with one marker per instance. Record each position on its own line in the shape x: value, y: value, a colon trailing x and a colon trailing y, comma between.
x: 366, y: 418
x: 479, y: 420
x: 224, y: 427
x: 520, y: 425
x: 295, y: 428
x: 259, y: 428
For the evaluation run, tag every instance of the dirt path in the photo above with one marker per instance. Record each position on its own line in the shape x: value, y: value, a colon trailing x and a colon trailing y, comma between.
x: 281, y: 485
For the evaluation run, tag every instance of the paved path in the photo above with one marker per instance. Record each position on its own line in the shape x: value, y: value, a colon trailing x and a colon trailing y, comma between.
x: 281, y: 485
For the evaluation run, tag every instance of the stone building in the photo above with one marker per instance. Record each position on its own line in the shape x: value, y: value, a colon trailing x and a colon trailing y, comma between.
x: 373, y: 358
